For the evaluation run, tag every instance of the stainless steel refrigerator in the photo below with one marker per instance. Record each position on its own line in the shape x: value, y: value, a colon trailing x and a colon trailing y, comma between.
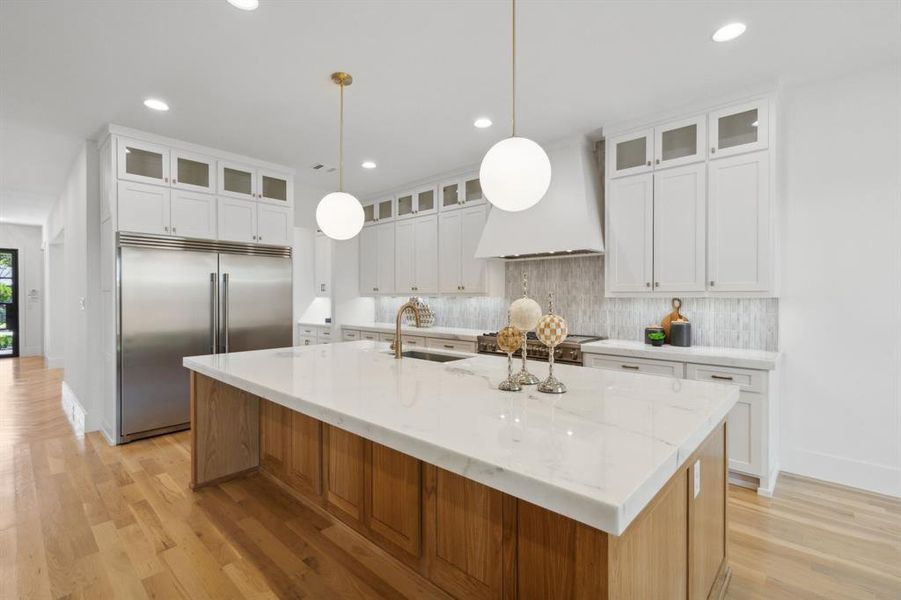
x: 180, y: 297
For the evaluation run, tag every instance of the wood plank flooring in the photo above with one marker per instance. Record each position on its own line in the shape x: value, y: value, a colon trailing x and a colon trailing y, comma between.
x: 79, y: 519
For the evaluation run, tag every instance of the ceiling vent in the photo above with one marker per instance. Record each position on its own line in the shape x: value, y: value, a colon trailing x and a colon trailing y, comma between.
x: 322, y: 168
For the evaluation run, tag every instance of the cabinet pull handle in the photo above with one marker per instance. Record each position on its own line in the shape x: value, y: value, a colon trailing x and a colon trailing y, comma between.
x: 723, y: 377
x: 631, y: 367
x: 448, y: 346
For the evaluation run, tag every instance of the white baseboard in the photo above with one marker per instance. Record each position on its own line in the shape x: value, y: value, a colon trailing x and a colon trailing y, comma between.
x: 31, y: 351
x: 107, y: 432
x: 882, y: 479
x: 72, y: 408
x: 55, y: 362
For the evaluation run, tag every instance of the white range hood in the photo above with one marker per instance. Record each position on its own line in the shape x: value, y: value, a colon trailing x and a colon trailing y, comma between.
x: 567, y: 220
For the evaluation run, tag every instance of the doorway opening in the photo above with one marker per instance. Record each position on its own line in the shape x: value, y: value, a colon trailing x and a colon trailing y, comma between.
x: 9, y: 303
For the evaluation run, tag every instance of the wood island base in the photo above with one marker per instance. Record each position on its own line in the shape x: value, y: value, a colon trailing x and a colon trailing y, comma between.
x: 468, y: 539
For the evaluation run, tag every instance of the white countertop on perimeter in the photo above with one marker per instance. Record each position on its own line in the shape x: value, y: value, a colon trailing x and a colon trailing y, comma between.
x: 597, y: 454
x: 449, y: 333
x: 707, y: 355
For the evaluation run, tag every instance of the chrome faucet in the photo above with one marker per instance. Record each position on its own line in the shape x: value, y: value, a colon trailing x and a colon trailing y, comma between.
x: 397, y: 344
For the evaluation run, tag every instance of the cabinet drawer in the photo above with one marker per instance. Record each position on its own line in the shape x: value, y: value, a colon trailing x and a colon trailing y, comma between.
x: 413, y: 341
x: 747, y: 379
x: 306, y: 340
x: 350, y: 335
x: 306, y: 330
x: 369, y: 335
x: 635, y: 365
x: 325, y: 336
x: 456, y: 345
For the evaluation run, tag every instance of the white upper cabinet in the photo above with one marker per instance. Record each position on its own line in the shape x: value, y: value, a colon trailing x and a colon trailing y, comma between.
x: 143, y: 208
x: 739, y: 129
x: 377, y: 260
x: 193, y: 214
x: 237, y: 181
x: 630, y: 230
x: 378, y: 210
x: 464, y: 191
x: 143, y: 162
x: 323, y: 264
x: 459, y: 271
x: 680, y: 142
x: 416, y: 255
x: 274, y: 225
x: 274, y: 187
x: 193, y: 172
x: 679, y: 229
x: 738, y: 216
x: 631, y: 153
x: 420, y: 202
x: 237, y: 220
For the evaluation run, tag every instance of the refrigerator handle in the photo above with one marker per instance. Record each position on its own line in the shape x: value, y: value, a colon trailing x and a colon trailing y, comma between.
x: 214, y: 315
x: 225, y: 309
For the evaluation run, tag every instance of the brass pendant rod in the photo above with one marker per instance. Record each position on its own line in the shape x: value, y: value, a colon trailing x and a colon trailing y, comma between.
x: 341, y: 143
x: 514, y: 68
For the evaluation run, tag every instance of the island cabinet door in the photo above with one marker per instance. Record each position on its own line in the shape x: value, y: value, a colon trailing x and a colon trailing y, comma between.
x: 304, y: 464
x: 707, y: 515
x: 393, y: 501
x: 344, y: 458
x: 463, y: 530
x: 274, y: 435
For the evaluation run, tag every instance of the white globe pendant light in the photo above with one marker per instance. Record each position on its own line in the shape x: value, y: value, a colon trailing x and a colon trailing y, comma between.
x: 515, y: 172
x: 339, y: 215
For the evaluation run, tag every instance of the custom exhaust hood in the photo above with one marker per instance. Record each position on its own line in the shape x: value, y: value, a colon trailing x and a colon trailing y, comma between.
x: 567, y: 221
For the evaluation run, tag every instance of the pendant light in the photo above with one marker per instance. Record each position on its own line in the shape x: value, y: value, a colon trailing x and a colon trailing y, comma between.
x: 340, y: 215
x: 515, y: 172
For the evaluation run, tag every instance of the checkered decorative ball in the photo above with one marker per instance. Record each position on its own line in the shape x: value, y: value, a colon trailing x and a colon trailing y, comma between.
x: 551, y: 330
x: 509, y: 339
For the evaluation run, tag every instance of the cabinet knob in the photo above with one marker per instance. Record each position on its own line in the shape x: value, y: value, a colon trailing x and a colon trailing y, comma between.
x: 713, y: 150
x: 173, y: 230
x: 647, y: 284
x: 174, y: 181
x: 166, y: 229
x: 658, y: 161
x: 711, y: 283
x: 656, y: 284
x: 166, y: 179
x: 649, y: 163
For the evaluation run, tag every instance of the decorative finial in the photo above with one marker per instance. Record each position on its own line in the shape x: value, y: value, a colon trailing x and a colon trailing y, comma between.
x: 550, y: 303
x: 525, y: 285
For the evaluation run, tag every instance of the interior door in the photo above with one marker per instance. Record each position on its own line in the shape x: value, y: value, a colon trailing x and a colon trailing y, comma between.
x: 166, y: 314
x: 9, y: 303
x: 255, y: 295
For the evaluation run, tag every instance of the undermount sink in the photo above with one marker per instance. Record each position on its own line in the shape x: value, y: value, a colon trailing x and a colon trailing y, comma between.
x: 432, y: 356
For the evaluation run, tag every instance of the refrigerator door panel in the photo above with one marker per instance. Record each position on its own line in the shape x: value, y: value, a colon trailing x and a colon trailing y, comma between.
x: 167, y: 302
x: 255, y: 297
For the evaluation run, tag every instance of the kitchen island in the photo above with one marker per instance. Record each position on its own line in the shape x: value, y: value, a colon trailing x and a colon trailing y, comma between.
x: 613, y: 490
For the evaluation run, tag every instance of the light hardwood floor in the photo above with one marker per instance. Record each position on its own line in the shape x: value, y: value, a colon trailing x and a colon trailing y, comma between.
x: 79, y: 519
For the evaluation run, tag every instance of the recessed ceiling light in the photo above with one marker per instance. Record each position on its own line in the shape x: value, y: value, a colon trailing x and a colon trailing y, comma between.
x: 729, y: 32
x: 368, y: 164
x: 482, y: 122
x: 156, y: 104
x: 245, y: 4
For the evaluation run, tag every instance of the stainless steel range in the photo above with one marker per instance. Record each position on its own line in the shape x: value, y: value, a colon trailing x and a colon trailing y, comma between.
x: 569, y: 352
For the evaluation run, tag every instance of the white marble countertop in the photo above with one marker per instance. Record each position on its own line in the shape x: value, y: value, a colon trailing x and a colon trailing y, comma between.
x: 708, y: 355
x: 597, y: 454
x: 449, y: 333
x: 315, y: 324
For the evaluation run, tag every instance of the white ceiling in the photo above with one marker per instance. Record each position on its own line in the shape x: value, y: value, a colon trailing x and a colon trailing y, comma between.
x: 257, y: 83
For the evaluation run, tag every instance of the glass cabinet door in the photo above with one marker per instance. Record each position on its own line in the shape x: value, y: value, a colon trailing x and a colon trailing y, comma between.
x: 426, y: 200
x: 681, y: 142
x: 237, y: 181
x: 192, y: 171
x: 450, y: 194
x: 738, y: 129
x: 405, y: 207
x: 385, y: 210
x: 472, y: 190
x: 140, y: 161
x: 368, y: 214
x: 273, y: 186
x: 631, y: 153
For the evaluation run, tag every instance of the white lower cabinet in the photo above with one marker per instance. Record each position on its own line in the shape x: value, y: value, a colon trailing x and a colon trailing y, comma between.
x: 306, y: 340
x: 410, y: 341
x: 416, y: 255
x: 751, y: 425
x: 193, y: 214
x: 143, y: 208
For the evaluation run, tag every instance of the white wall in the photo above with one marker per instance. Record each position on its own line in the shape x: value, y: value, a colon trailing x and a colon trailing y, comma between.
x: 27, y: 240
x: 75, y: 214
x: 55, y: 303
x: 840, y: 310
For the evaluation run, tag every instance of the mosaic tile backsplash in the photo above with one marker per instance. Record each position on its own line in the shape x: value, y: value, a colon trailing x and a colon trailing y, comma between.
x: 578, y: 287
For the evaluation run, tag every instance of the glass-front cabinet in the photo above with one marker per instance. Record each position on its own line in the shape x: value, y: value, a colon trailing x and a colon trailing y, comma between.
x: 142, y: 162
x: 193, y: 172
x: 419, y: 202
x: 273, y: 186
x: 237, y: 181
x: 740, y: 128
x: 378, y: 210
x: 631, y: 153
x: 680, y: 142
x: 459, y: 192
